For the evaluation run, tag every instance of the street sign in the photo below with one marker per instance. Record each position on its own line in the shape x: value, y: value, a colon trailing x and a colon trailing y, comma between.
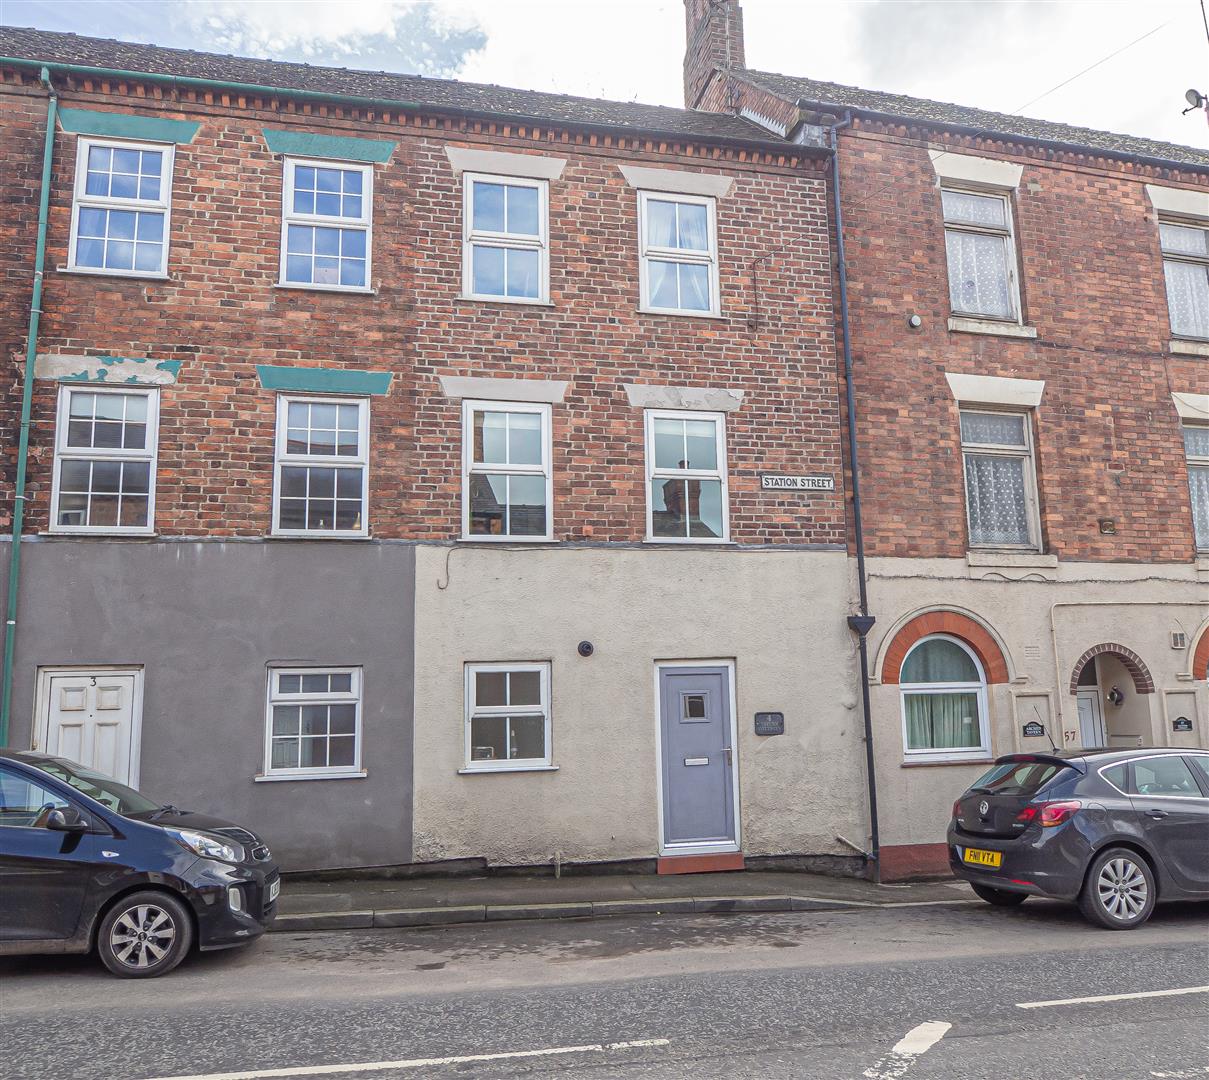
x: 1033, y: 730
x: 781, y: 482
x: 1181, y: 723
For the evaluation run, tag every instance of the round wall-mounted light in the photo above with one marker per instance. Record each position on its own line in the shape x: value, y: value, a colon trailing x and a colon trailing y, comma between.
x: 585, y: 648
x: 915, y: 322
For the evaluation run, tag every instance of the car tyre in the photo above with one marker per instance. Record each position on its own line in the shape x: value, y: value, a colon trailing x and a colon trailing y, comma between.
x: 144, y: 935
x: 999, y: 897
x: 1119, y: 890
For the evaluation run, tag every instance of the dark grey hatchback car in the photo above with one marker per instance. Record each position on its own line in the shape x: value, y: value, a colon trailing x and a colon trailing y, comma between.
x: 1114, y: 830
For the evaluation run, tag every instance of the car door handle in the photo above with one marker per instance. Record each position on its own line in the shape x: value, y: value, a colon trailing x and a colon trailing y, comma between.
x: 1156, y: 813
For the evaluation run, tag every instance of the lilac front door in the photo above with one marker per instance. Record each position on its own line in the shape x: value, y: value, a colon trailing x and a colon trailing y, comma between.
x: 698, y: 760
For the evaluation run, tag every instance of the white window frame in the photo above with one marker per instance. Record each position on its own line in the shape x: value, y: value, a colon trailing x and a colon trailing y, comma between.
x: 647, y: 252
x: 282, y: 457
x: 471, y: 236
x: 1182, y: 257
x: 964, y: 753
x: 63, y: 452
x: 472, y: 710
x: 1194, y: 462
x: 365, y: 223
x: 1010, y: 255
x: 1026, y: 453
x: 81, y: 199
x: 470, y: 468
x: 273, y: 697
x: 653, y: 474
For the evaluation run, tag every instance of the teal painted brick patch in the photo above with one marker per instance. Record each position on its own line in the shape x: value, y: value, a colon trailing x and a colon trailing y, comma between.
x: 110, y: 370
x: 128, y: 126
x: 339, y: 147
x: 313, y: 380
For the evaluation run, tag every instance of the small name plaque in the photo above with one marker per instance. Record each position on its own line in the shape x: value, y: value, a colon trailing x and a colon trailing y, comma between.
x: 780, y: 482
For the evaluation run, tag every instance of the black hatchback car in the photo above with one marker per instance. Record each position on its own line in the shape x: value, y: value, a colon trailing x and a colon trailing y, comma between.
x: 1114, y: 830
x: 87, y: 862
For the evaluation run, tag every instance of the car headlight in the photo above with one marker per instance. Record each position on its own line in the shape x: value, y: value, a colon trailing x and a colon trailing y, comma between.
x: 208, y: 847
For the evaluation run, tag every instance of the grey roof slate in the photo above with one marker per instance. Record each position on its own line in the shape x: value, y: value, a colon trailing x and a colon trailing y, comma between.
x: 795, y: 88
x: 443, y: 95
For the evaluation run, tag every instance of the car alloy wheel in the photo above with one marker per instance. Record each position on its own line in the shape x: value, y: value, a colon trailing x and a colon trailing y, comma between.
x: 1119, y: 892
x: 144, y: 935
x: 1122, y: 889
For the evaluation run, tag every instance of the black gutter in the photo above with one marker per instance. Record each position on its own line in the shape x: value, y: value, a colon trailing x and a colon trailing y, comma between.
x: 862, y: 622
x: 982, y: 132
x: 335, y: 97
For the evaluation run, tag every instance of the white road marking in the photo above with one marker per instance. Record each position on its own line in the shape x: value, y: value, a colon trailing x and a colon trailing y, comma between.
x: 1113, y: 997
x: 919, y: 1040
x: 419, y: 1063
x: 1182, y: 1074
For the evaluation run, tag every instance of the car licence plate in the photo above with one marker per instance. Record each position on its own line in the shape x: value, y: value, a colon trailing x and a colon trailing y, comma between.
x: 274, y: 889
x: 978, y: 857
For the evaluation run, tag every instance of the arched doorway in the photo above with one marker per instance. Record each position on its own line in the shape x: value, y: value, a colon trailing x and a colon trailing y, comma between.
x: 1111, y: 685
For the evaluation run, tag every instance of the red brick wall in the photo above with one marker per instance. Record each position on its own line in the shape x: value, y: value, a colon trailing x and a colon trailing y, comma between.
x: 1108, y: 437
x: 221, y: 315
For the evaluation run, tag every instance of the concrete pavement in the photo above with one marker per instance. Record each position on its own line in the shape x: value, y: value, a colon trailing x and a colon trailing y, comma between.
x: 435, y: 901
x: 814, y: 995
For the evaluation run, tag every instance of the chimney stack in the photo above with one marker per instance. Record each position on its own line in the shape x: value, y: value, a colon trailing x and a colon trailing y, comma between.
x: 714, y: 42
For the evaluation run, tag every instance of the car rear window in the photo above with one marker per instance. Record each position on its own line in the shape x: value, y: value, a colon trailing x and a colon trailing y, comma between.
x: 1017, y: 778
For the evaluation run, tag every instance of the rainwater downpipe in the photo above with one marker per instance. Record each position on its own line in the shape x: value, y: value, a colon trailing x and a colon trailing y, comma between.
x: 862, y: 622
x: 27, y: 400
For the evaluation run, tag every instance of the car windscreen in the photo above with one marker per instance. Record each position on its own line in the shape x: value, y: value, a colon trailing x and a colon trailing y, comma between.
x: 1024, y: 778
x: 107, y: 791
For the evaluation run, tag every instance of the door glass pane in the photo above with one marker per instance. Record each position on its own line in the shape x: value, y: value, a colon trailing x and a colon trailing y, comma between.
x: 23, y: 803
x: 1163, y: 776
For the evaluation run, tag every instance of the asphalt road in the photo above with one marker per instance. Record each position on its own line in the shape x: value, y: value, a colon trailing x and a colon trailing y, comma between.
x: 810, y: 995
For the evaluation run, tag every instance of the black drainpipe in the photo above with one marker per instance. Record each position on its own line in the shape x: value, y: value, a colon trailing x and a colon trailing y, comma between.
x: 863, y: 622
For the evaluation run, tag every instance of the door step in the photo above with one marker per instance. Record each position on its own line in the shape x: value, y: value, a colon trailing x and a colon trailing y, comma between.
x: 700, y: 864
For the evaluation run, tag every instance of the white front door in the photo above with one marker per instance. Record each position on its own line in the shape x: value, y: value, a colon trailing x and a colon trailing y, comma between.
x: 1091, y: 720
x: 91, y: 718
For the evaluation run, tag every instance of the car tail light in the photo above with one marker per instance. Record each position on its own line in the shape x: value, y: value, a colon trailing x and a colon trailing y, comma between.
x: 1055, y: 813
x: 957, y: 808
x: 1048, y: 813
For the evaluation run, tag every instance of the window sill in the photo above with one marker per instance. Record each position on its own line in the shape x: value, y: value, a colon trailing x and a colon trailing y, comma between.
x: 494, y: 540
x: 1202, y: 566
x: 965, y: 325
x: 684, y: 314
x: 667, y: 541
x: 348, y: 290
x: 317, y: 536
x: 947, y: 761
x: 1189, y: 347
x: 467, y: 298
x: 508, y: 769
x: 1011, y: 558
x: 325, y: 774
x: 114, y: 275
x: 134, y: 534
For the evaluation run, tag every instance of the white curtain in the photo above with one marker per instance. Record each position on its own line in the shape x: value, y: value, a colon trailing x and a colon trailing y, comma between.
x: 995, y: 495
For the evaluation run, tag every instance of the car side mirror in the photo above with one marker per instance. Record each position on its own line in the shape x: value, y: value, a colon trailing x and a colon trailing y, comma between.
x: 58, y: 821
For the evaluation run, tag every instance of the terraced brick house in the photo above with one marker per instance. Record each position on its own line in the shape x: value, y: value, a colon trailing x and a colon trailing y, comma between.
x: 424, y: 471
x: 1028, y: 325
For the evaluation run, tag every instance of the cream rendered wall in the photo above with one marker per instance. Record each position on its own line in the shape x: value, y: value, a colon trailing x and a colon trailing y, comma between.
x: 778, y: 614
x: 1046, y: 618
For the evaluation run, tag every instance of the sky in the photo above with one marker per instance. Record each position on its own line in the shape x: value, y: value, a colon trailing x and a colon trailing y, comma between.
x: 1005, y: 55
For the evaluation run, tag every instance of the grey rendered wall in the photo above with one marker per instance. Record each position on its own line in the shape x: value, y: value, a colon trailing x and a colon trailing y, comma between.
x: 204, y: 619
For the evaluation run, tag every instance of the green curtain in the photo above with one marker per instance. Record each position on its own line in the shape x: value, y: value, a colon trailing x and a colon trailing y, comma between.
x: 942, y: 721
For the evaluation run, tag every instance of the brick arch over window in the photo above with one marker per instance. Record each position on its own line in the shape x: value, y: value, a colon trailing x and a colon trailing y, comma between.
x: 1142, y: 682
x: 974, y: 634
x: 1200, y: 658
